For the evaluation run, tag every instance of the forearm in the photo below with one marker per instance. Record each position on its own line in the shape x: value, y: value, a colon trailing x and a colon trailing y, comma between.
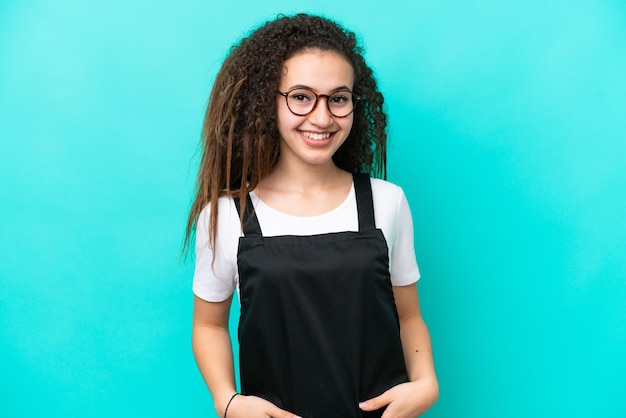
x: 417, y: 346
x: 213, y: 351
x: 416, y: 342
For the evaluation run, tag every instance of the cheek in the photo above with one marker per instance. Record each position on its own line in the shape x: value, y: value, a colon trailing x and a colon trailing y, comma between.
x: 286, y: 121
x: 284, y: 117
x: 346, y: 123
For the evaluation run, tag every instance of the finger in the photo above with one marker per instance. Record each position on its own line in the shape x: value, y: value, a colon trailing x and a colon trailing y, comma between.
x: 375, y: 403
x: 276, y: 412
x: 392, y: 411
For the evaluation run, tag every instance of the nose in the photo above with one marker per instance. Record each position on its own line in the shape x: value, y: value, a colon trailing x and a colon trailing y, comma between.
x: 321, y: 115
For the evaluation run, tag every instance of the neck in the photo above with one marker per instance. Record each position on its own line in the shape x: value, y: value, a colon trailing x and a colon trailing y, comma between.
x: 305, y: 178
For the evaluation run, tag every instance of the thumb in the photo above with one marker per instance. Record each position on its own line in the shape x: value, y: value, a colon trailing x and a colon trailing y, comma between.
x: 375, y: 403
x: 281, y: 413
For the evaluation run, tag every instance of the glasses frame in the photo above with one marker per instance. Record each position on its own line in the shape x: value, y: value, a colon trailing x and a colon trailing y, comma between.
x: 355, y: 101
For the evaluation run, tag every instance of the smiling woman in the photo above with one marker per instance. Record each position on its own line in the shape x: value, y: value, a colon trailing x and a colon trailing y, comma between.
x: 321, y: 254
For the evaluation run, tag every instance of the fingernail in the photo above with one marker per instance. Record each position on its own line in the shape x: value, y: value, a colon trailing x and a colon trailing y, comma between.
x: 363, y: 405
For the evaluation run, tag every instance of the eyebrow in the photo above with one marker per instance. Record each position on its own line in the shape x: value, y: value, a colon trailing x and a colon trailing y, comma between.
x: 302, y: 86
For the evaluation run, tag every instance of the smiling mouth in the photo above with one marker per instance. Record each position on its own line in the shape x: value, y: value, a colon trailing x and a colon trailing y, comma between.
x: 316, y: 136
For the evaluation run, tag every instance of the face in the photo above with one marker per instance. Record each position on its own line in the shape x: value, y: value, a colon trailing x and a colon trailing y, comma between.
x: 313, y: 139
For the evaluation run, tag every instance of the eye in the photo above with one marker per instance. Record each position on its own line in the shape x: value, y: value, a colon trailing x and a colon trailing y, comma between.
x: 300, y: 96
x: 340, y: 99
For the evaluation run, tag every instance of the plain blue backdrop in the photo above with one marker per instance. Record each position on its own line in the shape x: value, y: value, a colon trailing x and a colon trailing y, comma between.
x: 507, y: 132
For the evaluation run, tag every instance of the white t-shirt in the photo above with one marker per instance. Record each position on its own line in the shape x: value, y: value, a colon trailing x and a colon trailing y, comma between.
x: 217, y: 282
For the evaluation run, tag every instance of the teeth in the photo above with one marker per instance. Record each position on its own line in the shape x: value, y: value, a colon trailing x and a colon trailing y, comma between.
x: 316, y: 137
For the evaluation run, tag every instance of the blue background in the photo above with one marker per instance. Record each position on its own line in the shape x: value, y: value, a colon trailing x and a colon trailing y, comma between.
x: 507, y: 132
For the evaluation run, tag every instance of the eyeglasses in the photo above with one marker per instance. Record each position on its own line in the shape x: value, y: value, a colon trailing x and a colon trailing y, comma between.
x: 301, y: 101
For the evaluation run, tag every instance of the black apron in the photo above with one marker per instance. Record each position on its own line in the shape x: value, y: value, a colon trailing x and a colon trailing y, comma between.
x: 319, y: 329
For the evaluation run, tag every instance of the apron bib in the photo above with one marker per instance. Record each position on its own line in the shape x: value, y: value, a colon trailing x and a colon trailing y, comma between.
x: 319, y: 329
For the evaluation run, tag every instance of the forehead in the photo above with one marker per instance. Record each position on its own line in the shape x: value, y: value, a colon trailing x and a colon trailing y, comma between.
x: 320, y: 70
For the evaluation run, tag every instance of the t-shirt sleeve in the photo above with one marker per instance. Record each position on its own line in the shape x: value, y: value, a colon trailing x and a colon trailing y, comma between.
x: 215, y: 278
x: 403, y: 264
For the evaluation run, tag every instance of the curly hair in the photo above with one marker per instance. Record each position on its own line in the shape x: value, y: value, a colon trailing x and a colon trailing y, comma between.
x: 240, y: 139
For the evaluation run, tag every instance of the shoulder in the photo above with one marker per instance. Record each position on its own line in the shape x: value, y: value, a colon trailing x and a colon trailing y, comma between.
x: 388, y: 198
x: 225, y: 204
x: 391, y: 207
x: 227, y: 215
x: 383, y: 190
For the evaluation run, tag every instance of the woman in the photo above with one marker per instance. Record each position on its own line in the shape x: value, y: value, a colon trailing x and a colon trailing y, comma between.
x: 321, y: 255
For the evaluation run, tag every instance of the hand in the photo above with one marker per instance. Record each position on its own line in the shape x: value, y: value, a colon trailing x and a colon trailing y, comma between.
x: 254, y: 407
x: 406, y: 400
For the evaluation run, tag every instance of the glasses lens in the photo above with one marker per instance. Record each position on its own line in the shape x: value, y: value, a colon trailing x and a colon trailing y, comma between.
x: 301, y: 101
x: 341, y: 103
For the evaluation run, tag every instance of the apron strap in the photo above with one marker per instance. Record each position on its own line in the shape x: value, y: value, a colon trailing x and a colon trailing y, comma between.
x: 364, y: 201
x: 250, y: 225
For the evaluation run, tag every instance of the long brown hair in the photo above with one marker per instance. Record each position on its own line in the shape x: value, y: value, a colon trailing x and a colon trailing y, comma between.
x: 240, y: 140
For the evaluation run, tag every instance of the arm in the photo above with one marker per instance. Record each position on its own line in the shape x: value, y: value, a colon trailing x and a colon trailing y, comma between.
x: 415, y: 397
